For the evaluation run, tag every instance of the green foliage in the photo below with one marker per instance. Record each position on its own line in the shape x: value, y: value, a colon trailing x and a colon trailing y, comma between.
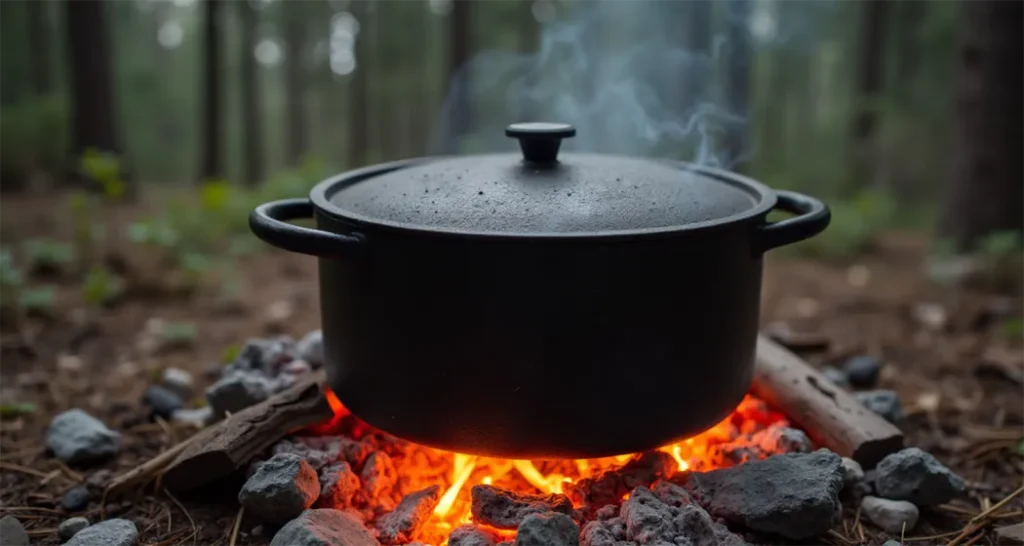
x: 11, y: 277
x: 230, y: 353
x: 83, y: 212
x: 17, y: 409
x: 40, y: 301
x: 1014, y: 328
x: 101, y: 287
x: 179, y: 333
x: 105, y: 169
x: 33, y: 137
x: 49, y: 255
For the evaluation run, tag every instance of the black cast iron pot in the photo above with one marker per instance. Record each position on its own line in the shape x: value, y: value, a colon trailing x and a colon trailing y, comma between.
x: 540, y: 306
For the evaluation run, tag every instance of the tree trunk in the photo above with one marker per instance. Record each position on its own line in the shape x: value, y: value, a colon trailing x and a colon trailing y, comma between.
x: 252, y: 129
x: 40, y: 39
x: 908, y: 17
x: 459, y: 76
x: 737, y: 88
x: 987, y: 189
x: 295, y: 84
x: 212, y: 162
x: 868, y: 81
x: 92, y: 88
x: 359, y: 103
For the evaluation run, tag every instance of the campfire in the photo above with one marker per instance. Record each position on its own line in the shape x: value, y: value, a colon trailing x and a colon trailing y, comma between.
x: 437, y: 491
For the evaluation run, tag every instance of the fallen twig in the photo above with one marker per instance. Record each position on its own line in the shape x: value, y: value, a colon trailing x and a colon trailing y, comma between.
x: 236, y: 526
x: 146, y: 471
x: 23, y: 469
x: 980, y: 521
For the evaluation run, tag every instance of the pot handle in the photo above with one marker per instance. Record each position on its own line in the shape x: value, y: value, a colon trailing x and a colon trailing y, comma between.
x: 269, y: 222
x: 813, y: 217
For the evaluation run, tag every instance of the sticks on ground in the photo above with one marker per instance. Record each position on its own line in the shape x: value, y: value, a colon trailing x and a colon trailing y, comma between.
x: 829, y: 415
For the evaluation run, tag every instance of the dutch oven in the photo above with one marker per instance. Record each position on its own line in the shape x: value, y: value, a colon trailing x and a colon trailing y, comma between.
x: 541, y: 306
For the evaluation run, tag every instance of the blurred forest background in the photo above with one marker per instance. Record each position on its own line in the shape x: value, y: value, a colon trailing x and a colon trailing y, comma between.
x: 898, y: 113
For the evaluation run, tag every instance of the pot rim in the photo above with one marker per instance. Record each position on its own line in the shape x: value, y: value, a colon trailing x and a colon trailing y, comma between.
x: 321, y: 195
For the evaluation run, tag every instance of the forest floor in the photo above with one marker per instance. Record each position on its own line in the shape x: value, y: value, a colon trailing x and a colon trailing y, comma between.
x: 947, y: 351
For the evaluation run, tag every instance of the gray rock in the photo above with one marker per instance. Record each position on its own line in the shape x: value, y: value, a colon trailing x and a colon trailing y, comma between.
x: 853, y: 473
x: 113, y: 532
x: 667, y: 515
x: 69, y: 527
x: 280, y: 489
x: 862, y: 371
x: 311, y: 349
x: 836, y: 376
x: 265, y: 355
x: 163, y: 401
x: 197, y: 417
x: 776, y: 440
x: 238, y: 390
x: 324, y: 528
x: 883, y: 402
x: 318, y: 451
x: 471, y: 535
x: 505, y: 509
x: 338, y: 485
x: 399, y: 526
x: 12, y: 532
x: 552, y: 529
x: 76, y: 499
x: 891, y: 543
x: 76, y: 437
x: 918, y: 477
x: 794, y: 495
x: 179, y: 381
x: 890, y: 515
x: 379, y: 477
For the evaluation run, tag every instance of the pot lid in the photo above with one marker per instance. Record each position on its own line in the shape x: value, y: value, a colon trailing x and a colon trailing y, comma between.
x: 542, y: 192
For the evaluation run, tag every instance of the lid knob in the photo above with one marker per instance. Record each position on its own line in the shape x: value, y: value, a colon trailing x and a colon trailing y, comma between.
x: 540, y: 140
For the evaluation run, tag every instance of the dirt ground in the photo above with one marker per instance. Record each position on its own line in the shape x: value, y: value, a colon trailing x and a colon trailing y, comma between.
x: 947, y: 352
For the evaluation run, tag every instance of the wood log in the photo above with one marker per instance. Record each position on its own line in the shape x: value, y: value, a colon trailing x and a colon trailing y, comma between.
x: 222, y: 448
x: 830, y: 415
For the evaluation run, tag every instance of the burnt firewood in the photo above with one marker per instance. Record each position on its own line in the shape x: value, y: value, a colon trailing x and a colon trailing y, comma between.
x: 338, y: 485
x: 379, y: 478
x: 504, y: 509
x: 400, y: 526
x: 471, y: 535
x: 611, y: 486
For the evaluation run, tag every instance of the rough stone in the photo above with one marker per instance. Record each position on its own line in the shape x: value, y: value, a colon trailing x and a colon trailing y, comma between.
x: 918, y: 477
x: 76, y: 499
x: 324, y: 527
x: 338, y: 485
x: 311, y: 349
x: 238, y: 390
x: 379, y: 478
x: 179, y: 381
x: 265, y: 355
x: 609, y: 487
x: 399, y: 526
x: 318, y: 451
x: 891, y: 543
x: 471, y: 535
x: 12, y: 532
x: 883, y: 402
x: 504, y: 509
x: 113, y: 532
x: 1010, y: 534
x: 280, y: 489
x: 551, y: 529
x: 853, y: 473
x: 890, y: 515
x: 776, y: 440
x: 76, y: 437
x: 862, y: 371
x: 70, y: 527
x: 163, y: 401
x: 836, y: 376
x: 795, y: 495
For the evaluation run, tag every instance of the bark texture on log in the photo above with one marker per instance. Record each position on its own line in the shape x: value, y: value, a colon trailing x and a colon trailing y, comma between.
x: 829, y: 414
x: 225, y: 447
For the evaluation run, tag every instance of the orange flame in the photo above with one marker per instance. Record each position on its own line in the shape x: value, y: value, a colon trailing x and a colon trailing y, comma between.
x: 552, y: 477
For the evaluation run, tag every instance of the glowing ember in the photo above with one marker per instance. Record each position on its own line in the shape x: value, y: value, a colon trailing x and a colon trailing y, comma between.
x: 743, y: 435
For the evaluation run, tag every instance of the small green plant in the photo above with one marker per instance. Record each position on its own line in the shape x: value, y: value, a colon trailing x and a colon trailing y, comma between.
x: 39, y: 301
x: 105, y: 169
x: 179, y: 333
x: 17, y: 409
x: 230, y: 353
x: 47, y: 256
x: 1013, y: 328
x: 101, y: 287
x: 11, y: 281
